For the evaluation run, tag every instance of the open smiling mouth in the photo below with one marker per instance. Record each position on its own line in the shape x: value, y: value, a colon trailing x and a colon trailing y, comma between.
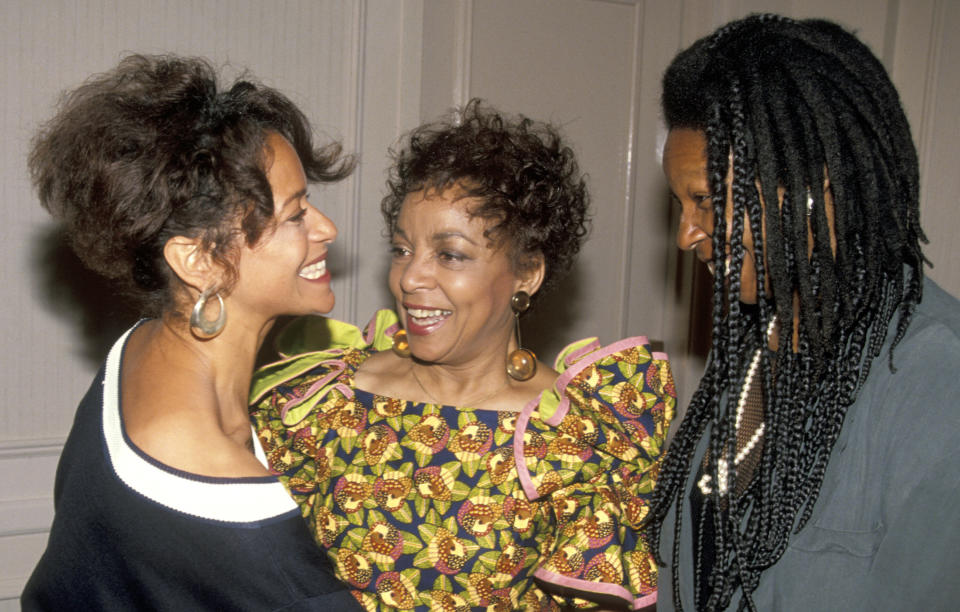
x: 314, y: 270
x: 425, y: 320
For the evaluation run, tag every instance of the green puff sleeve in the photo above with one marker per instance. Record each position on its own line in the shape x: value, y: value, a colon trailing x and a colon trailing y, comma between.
x: 313, y: 340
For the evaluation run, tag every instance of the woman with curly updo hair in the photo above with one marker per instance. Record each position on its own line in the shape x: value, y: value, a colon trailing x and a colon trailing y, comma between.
x: 442, y: 466
x: 194, y: 198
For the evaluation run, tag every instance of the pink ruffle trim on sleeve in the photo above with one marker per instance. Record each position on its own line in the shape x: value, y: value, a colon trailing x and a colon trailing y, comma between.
x: 336, y: 367
x: 579, y: 363
x: 604, y: 588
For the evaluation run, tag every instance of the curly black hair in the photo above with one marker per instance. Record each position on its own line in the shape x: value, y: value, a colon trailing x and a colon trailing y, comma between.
x: 794, y: 105
x: 154, y: 149
x: 525, y: 176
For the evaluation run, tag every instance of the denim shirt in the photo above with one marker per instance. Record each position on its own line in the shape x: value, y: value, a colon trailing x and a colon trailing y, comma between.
x: 885, y: 530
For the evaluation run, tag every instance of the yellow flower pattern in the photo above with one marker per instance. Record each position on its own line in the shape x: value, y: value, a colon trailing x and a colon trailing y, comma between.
x: 429, y: 507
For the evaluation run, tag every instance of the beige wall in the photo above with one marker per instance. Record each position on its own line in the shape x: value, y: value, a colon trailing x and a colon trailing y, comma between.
x: 353, y: 67
x: 365, y: 71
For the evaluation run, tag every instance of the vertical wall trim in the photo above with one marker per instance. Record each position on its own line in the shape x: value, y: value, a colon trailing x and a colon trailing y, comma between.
x: 355, y: 115
x: 629, y: 206
x: 890, y: 35
x: 928, y: 118
x: 461, y: 84
x: 409, y: 84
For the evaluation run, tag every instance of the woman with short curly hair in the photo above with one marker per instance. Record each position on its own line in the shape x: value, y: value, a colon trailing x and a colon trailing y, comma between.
x: 194, y: 198
x: 525, y: 179
x: 439, y: 462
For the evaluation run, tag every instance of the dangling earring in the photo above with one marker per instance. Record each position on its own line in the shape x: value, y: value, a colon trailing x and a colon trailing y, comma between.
x: 521, y: 363
x: 400, y: 344
x: 201, y: 327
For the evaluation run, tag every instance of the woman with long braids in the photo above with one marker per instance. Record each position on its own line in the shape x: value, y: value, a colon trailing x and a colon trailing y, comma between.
x: 816, y: 467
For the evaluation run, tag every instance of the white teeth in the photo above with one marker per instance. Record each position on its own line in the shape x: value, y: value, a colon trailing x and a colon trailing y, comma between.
x: 314, y: 271
x: 420, y: 313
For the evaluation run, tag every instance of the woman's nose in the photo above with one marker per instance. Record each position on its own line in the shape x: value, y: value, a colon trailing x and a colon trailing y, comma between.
x: 417, y: 273
x: 322, y: 229
x: 691, y: 230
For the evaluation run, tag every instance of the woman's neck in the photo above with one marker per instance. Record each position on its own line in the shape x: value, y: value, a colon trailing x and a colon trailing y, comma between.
x: 184, y: 401
x: 223, y: 365
x: 461, y: 384
x: 481, y: 382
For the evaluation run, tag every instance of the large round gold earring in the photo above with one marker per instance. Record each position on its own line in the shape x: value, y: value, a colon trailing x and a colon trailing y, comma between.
x: 521, y: 363
x: 400, y: 344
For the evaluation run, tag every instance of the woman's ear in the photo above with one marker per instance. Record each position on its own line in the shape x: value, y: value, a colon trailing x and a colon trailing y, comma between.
x: 191, y: 262
x: 531, y: 274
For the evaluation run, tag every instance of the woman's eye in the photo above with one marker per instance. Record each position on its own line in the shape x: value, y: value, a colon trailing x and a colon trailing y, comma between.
x: 298, y: 218
x: 703, y: 201
x: 398, y: 251
x: 452, y: 256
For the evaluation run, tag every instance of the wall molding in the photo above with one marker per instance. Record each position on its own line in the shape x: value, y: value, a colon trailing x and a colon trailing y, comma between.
x: 354, y: 98
x: 26, y: 510
x: 924, y: 135
x: 25, y: 516
x: 10, y: 588
x: 38, y: 447
x: 630, y: 172
x: 464, y: 48
x: 27, y: 469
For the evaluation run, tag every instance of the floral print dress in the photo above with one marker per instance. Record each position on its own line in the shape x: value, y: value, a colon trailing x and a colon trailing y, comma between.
x: 426, y: 506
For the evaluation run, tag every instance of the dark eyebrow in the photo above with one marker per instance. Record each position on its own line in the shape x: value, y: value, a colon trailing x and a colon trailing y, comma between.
x: 438, y: 237
x: 444, y: 235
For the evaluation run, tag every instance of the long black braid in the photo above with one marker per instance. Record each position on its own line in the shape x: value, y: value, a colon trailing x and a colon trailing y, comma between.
x: 796, y: 106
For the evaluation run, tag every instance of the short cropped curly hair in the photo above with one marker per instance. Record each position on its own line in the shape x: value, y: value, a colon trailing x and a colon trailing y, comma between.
x: 154, y: 149
x: 525, y: 176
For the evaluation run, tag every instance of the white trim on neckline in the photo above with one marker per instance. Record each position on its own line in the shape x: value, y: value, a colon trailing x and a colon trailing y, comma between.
x: 238, y: 500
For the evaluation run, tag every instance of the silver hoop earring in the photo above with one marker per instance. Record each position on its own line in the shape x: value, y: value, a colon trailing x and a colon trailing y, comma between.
x: 201, y: 327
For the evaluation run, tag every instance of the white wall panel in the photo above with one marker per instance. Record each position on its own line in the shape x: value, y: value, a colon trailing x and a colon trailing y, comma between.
x: 351, y: 66
x: 299, y: 47
x: 572, y: 62
x: 390, y: 92
x: 26, y: 508
x: 925, y: 69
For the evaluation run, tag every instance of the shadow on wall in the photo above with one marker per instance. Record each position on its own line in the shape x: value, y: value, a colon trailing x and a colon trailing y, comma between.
x: 100, y: 313
x: 546, y: 329
x: 93, y: 305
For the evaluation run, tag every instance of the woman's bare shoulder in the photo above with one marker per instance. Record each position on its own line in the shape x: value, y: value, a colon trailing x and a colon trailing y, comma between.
x: 384, y: 373
x: 171, y: 413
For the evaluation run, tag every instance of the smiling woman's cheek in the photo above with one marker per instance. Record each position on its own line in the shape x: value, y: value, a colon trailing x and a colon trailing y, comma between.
x: 451, y: 284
